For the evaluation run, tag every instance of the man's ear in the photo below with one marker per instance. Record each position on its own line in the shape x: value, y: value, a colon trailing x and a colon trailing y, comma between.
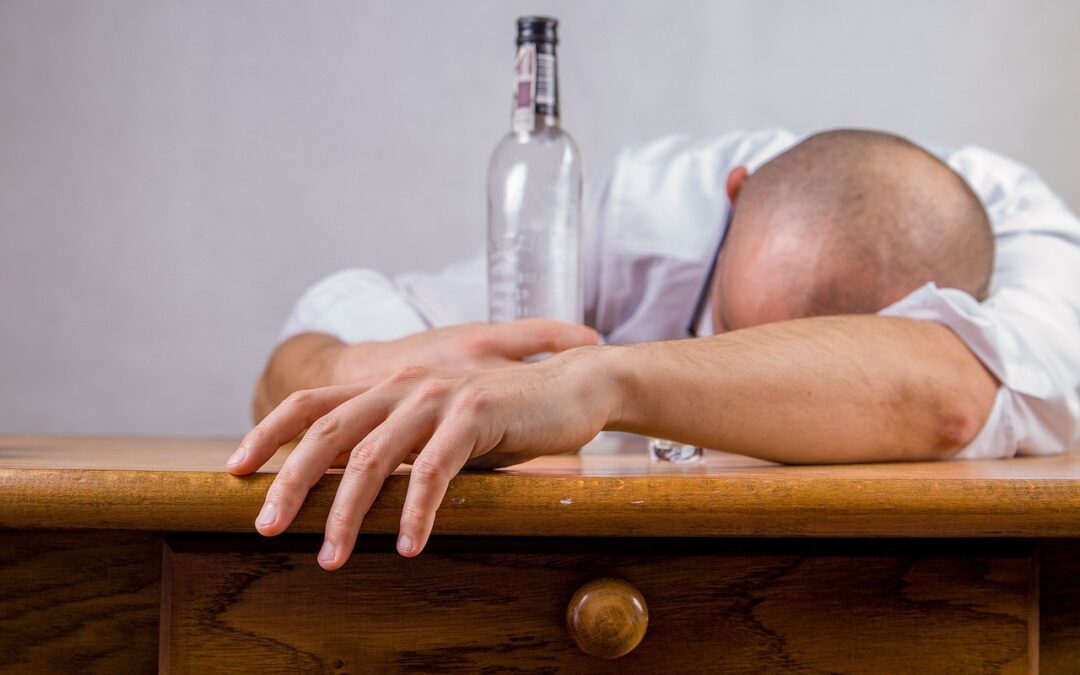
x: 735, y: 181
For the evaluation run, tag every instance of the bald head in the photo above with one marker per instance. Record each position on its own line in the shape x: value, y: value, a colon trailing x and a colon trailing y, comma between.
x: 848, y: 222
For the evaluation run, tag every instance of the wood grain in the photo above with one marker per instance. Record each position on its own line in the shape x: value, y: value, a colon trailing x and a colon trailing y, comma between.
x: 591, y: 494
x: 498, y: 605
x: 83, y: 602
x: 1059, y: 607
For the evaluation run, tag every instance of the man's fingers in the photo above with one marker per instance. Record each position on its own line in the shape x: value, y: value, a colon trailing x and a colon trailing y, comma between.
x: 285, y: 422
x: 340, y: 461
x: 518, y: 339
x: 440, y: 460
x: 371, y: 461
x: 337, y: 431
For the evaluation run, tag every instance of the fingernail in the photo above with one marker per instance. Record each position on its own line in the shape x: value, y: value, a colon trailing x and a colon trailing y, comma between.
x: 237, y: 457
x: 404, y: 543
x: 267, y: 516
x: 326, y: 553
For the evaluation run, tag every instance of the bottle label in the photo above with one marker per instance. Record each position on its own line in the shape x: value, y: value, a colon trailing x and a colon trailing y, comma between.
x: 525, y: 89
x: 545, y: 83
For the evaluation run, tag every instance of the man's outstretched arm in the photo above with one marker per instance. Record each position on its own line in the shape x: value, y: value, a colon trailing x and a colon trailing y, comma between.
x: 818, y: 390
x: 840, y: 389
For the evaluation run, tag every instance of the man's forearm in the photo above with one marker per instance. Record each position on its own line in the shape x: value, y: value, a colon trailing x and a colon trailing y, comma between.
x: 305, y: 361
x: 826, y: 389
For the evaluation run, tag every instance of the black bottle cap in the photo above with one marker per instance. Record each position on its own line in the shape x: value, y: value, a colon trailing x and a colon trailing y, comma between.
x: 537, y: 29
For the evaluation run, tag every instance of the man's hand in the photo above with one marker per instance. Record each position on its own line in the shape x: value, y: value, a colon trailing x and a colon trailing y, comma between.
x: 438, y: 420
x: 315, y: 360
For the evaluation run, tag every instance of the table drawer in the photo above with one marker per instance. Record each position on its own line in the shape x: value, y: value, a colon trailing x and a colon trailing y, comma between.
x: 471, y: 605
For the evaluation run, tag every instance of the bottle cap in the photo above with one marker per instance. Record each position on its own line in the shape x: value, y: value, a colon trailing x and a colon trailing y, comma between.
x: 537, y: 29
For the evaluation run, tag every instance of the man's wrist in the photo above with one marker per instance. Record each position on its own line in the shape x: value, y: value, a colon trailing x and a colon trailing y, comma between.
x: 618, y: 369
x: 301, y: 362
x: 329, y: 365
x: 606, y: 380
x: 312, y: 362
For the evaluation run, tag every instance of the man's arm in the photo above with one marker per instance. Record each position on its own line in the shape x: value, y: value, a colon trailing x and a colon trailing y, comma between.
x: 829, y: 389
x: 820, y: 390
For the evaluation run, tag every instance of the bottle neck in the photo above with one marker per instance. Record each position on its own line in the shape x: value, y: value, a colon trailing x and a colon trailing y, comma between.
x: 536, y: 88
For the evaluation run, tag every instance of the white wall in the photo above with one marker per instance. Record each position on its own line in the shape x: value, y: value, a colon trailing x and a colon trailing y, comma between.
x: 173, y: 174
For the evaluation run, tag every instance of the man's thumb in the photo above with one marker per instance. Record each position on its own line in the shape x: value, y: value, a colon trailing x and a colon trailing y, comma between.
x: 525, y: 337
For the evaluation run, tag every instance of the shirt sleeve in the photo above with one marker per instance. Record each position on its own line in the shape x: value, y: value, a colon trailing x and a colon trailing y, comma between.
x: 361, y: 305
x: 1027, y: 332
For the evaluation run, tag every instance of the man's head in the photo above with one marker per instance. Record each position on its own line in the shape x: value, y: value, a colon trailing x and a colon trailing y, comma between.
x: 847, y: 222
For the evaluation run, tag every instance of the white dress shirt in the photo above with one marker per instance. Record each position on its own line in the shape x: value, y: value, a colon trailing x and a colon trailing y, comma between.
x: 651, y: 229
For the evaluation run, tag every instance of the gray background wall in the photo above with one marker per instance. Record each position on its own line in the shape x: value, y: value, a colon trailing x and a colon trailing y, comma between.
x: 174, y: 174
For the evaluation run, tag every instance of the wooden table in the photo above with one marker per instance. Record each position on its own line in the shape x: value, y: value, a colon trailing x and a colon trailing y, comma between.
x: 127, y: 554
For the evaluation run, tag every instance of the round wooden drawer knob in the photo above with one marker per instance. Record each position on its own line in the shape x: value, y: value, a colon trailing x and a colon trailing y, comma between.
x: 607, y: 618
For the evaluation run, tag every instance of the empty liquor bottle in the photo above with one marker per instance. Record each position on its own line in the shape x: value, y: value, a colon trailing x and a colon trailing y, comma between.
x: 534, y: 194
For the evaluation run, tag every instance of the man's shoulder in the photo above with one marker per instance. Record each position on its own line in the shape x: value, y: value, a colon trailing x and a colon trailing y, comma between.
x: 1015, y: 196
x: 748, y: 147
x: 682, y: 176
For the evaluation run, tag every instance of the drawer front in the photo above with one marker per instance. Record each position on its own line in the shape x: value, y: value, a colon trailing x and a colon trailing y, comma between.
x: 476, y: 605
x: 79, y: 601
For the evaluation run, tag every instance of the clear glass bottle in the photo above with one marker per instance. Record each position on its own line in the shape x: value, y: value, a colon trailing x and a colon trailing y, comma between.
x: 534, y: 194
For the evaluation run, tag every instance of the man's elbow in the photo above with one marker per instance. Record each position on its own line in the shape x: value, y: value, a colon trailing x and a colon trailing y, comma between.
x: 960, y: 399
x: 958, y: 421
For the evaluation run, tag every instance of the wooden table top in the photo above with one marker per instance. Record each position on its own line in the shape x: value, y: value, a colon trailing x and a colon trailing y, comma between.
x: 609, y: 489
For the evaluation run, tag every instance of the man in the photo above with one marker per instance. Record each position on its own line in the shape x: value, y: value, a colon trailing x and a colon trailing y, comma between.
x: 859, y: 311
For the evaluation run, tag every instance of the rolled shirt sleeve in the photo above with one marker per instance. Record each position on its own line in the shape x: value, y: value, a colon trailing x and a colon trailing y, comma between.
x: 361, y: 305
x: 354, y: 305
x: 1027, y: 331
